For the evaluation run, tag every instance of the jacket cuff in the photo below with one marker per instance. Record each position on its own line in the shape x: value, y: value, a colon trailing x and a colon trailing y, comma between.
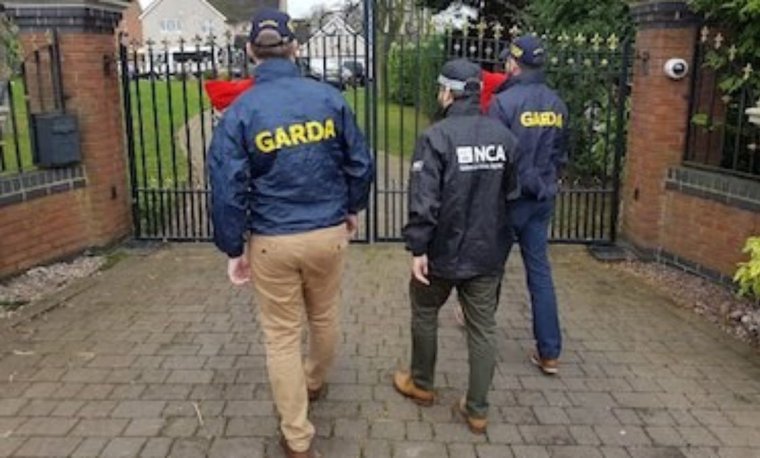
x: 236, y: 252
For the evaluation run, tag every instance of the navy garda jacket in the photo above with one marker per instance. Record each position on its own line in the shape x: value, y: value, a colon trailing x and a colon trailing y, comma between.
x: 462, y: 177
x: 287, y: 157
x: 538, y: 117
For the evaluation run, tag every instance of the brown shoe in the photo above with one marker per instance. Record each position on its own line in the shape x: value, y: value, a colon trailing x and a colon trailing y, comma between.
x: 476, y: 425
x: 290, y: 453
x: 404, y: 384
x: 547, y: 366
x: 319, y: 393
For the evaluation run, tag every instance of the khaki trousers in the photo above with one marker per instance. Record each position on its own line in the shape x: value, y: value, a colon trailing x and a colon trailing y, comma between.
x: 293, y: 274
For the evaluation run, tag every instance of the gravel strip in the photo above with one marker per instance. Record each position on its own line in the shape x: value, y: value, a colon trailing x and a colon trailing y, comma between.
x: 43, y: 281
x: 737, y: 316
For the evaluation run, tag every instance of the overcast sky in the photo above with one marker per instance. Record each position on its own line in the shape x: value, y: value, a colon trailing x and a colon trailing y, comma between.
x: 298, y: 8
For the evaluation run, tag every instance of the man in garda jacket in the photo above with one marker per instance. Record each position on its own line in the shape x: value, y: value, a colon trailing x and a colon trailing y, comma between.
x: 538, y: 117
x: 289, y: 165
x: 461, y: 178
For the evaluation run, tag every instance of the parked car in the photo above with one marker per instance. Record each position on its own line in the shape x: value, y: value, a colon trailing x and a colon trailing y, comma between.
x: 331, y: 71
x: 358, y: 74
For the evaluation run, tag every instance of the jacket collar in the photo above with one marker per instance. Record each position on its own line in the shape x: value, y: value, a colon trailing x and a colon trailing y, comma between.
x: 525, y: 78
x: 272, y: 69
x: 466, y: 106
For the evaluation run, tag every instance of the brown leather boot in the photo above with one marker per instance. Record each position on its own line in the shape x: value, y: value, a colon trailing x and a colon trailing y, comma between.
x: 404, y: 384
x: 290, y: 453
x: 476, y: 425
x: 547, y: 366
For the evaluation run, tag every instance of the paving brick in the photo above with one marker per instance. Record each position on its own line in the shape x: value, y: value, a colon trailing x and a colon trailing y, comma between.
x: 138, y: 409
x: 190, y: 448
x: 387, y: 429
x: 655, y: 452
x: 100, y: 428
x: 493, y: 451
x: 46, y: 427
x: 351, y: 428
x: 530, y: 451
x: 461, y: 450
x: 123, y: 447
x: 237, y: 447
x: 38, y: 408
x: 737, y: 436
x: 339, y: 448
x: 665, y: 435
x: 9, y: 445
x: 418, y: 450
x: 145, y: 427
x: 551, y: 416
x: 584, y: 435
x: 251, y: 426
x: 157, y: 447
x: 622, y: 435
x: 190, y: 376
x: 166, y: 392
x: 180, y: 427
x: 48, y: 446
x: 546, y: 435
x: 698, y: 436
x: 90, y: 447
x: 10, y: 407
x: 456, y: 432
x: 249, y: 409
x: 376, y: 449
x: 574, y: 451
x: 419, y: 431
x: 97, y: 409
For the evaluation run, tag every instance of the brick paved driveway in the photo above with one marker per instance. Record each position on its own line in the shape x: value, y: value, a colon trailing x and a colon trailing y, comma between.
x: 159, y: 357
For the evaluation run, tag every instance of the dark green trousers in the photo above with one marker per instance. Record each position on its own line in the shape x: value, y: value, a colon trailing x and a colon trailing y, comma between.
x: 479, y: 297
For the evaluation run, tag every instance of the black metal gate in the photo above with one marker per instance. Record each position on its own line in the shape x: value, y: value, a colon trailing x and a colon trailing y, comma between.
x: 386, y: 62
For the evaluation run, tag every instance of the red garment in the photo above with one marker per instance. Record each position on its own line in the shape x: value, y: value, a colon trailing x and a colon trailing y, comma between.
x: 491, y: 81
x: 223, y: 93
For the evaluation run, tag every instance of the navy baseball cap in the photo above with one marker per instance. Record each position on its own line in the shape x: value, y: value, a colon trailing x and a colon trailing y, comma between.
x: 460, y: 75
x: 527, y: 50
x: 275, y: 20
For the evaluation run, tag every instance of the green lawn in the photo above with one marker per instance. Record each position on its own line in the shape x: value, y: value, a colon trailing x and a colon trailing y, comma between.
x: 16, y: 145
x: 160, y: 157
x: 398, y: 127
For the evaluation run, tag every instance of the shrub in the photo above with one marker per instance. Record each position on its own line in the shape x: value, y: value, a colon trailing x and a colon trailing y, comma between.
x: 748, y: 275
x: 413, y: 72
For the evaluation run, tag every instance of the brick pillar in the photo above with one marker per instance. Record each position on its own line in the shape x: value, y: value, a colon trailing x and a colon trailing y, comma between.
x: 659, y: 115
x: 91, y: 89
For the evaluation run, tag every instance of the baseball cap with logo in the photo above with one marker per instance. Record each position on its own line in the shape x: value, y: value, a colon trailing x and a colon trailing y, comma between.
x: 274, y: 20
x: 527, y: 50
x: 460, y: 75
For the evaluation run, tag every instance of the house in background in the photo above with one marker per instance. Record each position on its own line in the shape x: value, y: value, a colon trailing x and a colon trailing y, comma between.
x: 131, y: 25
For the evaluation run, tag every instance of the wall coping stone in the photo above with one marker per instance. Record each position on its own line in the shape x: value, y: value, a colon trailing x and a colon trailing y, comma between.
x: 726, y: 189
x: 35, y: 184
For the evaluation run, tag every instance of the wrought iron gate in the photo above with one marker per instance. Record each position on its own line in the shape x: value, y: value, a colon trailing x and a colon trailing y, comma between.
x: 386, y: 64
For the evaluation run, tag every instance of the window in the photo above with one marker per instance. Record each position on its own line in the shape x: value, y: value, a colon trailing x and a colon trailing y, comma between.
x: 171, y: 25
x: 207, y: 27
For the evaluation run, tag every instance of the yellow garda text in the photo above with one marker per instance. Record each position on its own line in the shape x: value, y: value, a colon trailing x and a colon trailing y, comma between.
x: 268, y: 141
x: 541, y: 119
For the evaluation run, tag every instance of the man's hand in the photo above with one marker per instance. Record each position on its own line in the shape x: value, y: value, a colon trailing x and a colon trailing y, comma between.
x: 420, y: 269
x: 352, y: 225
x: 239, y: 270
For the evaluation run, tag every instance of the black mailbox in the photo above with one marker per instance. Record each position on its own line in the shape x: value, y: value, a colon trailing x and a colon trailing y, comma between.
x: 56, y: 139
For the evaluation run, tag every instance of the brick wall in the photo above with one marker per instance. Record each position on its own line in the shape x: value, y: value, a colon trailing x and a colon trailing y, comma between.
x: 52, y: 225
x: 696, y: 219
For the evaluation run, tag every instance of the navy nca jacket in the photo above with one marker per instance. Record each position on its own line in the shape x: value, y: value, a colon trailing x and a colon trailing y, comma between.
x: 286, y: 157
x: 538, y: 117
x: 462, y: 177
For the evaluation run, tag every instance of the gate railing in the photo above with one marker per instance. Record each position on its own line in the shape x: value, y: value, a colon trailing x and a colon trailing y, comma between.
x: 389, y: 78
